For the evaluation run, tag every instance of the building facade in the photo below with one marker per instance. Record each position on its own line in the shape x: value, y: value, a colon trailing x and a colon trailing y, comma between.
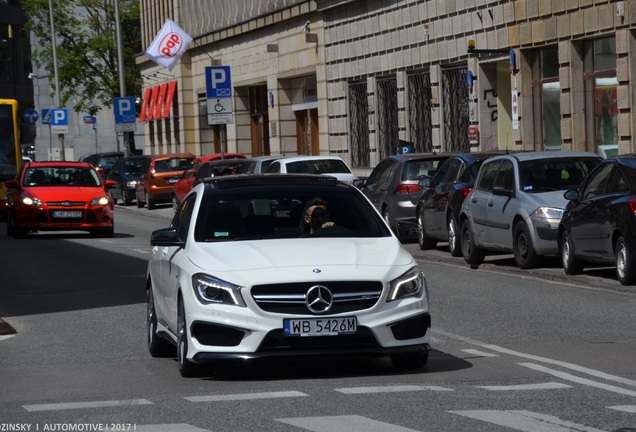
x: 365, y: 79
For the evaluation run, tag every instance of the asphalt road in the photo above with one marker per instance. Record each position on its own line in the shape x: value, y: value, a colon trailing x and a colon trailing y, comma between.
x: 512, y: 350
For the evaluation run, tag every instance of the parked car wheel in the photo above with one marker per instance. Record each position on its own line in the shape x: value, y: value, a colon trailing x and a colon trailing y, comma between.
x: 409, y: 360
x: 125, y: 200
x: 140, y: 203
x: 150, y: 203
x: 187, y: 368
x: 571, y: 264
x: 473, y: 255
x: 424, y: 241
x: 625, y: 265
x: 157, y: 346
x: 525, y: 255
x: 454, y: 245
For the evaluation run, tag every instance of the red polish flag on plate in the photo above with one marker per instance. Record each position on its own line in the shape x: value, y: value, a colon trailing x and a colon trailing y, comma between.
x: 168, y: 46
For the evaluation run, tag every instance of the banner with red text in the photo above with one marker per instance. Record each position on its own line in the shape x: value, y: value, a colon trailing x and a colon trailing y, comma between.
x: 168, y: 46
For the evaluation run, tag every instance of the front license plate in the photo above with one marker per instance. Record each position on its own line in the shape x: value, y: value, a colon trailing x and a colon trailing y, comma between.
x: 67, y: 214
x: 320, y: 326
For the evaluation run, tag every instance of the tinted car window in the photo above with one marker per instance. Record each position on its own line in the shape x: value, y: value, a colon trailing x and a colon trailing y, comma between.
x: 596, y: 184
x: 487, y: 175
x: 418, y: 169
x: 554, y: 174
x: 506, y: 176
x: 183, y: 217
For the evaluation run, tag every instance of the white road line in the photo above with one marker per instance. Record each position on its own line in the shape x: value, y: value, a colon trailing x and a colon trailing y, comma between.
x: 6, y: 337
x: 389, y: 389
x: 245, y: 396
x: 525, y: 421
x: 349, y: 423
x: 566, y: 365
x: 569, y: 377
x: 540, y: 386
x: 84, y: 405
x: 142, y: 251
x: 479, y: 353
x: 177, y: 427
x: 626, y: 408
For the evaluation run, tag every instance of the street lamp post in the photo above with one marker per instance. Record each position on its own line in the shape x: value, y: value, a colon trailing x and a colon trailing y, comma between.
x: 58, y: 99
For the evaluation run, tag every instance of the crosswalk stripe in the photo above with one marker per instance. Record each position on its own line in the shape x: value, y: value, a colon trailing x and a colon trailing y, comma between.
x: 389, y: 389
x: 479, y: 353
x: 244, y: 396
x: 525, y: 421
x: 538, y: 386
x: 349, y: 423
x: 84, y: 405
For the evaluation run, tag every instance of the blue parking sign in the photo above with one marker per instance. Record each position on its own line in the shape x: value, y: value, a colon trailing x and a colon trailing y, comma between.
x: 218, y: 82
x: 124, y: 108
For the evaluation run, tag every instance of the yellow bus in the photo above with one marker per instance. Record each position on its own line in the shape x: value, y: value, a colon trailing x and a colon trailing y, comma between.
x: 10, y: 152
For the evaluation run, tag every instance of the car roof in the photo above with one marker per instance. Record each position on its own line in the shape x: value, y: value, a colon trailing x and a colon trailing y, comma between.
x: 304, y: 158
x: 414, y: 156
x: 171, y: 156
x: 225, y: 161
x: 249, y: 180
x: 523, y: 156
x: 266, y: 158
x: 214, y: 156
x: 60, y: 164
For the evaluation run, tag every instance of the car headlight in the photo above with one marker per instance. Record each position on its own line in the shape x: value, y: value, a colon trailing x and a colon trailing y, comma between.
x: 101, y: 201
x: 410, y: 284
x: 548, y: 213
x: 131, y: 184
x: 209, y: 289
x: 31, y: 201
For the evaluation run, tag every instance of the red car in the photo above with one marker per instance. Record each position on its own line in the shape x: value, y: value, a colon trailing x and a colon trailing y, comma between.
x: 60, y: 196
x: 187, y: 180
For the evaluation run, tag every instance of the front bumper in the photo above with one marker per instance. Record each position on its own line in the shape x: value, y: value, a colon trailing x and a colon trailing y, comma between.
x: 393, y: 329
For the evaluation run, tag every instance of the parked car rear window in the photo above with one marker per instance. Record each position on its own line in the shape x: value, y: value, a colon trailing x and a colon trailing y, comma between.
x: 418, y: 169
x: 324, y: 166
x: 173, y: 164
x: 554, y: 174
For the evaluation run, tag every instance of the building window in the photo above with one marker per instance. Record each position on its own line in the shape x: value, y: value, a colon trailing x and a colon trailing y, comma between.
x: 601, y: 107
x: 359, y: 125
x: 546, y: 93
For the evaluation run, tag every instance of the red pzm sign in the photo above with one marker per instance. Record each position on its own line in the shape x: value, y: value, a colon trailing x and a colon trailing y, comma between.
x: 157, y: 101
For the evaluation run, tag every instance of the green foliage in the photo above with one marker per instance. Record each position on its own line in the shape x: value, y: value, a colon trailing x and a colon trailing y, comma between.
x: 88, y: 71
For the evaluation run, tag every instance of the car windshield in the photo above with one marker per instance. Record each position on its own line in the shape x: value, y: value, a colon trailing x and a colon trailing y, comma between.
x: 133, y: 167
x: 172, y: 164
x: 542, y: 175
x: 269, y: 212
x: 226, y: 168
x: 61, y: 176
x: 318, y: 166
x: 107, y: 161
x: 418, y: 169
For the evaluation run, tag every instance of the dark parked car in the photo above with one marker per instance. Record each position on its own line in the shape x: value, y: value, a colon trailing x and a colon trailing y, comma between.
x: 599, y: 223
x: 126, y: 173
x: 393, y: 185
x: 438, y: 208
x: 103, y: 162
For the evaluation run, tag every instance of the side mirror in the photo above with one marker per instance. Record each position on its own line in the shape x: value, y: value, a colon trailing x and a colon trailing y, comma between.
x: 425, y: 182
x: 501, y: 191
x: 359, y: 183
x: 110, y: 184
x: 166, y: 237
x: 571, y: 195
x: 11, y: 184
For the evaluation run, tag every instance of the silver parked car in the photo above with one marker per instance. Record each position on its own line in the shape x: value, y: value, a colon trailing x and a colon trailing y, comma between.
x: 518, y: 202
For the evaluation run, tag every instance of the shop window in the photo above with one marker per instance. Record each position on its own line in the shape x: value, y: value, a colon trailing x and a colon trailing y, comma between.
x: 601, y: 107
x: 546, y: 93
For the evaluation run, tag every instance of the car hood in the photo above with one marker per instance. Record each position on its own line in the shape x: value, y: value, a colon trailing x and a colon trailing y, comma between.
x: 302, y: 256
x: 545, y: 199
x: 65, y: 193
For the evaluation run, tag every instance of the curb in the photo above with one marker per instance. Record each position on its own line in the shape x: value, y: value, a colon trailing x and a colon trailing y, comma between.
x: 5, y: 328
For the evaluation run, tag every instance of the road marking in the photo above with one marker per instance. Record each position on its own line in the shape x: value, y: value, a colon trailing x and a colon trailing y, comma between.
x: 389, y: 389
x: 244, y: 396
x: 143, y: 251
x: 177, y: 427
x: 349, y: 423
x: 83, y: 405
x: 479, y: 353
x: 569, y: 377
x: 626, y: 408
x: 525, y: 421
x: 539, y: 386
x: 566, y: 365
x: 6, y: 337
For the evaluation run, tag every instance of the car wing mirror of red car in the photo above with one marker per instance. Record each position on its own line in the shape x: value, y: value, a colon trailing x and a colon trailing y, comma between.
x: 11, y: 184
